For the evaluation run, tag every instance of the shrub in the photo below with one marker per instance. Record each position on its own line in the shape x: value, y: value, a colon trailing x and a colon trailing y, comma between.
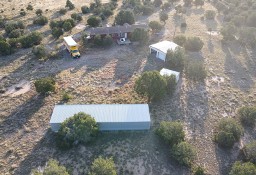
x: 180, y: 40
x: 39, y: 12
x: 31, y: 39
x: 102, y: 166
x: 103, y: 42
x: 193, y: 44
x: 85, y: 9
x: 70, y: 5
x: 97, y: 40
x: 5, y: 48
x: 199, y: 2
x: 57, y: 32
x: 171, y: 132
x: 22, y: 13
x: 124, y: 16
x: 63, y: 11
x: 250, y: 150
x: 158, y: 3
x: 16, y: 33
x: 44, y: 85
x: 94, y: 21
x: 29, y: 7
x: 198, y: 171
x: 155, y: 26
x: 247, y: 36
x: 66, y: 96
x: 54, y: 24
x: 41, y: 20
x: 13, y: 42
x: 163, y: 16
x: 71, y: 21
x: 152, y: 85
x: 107, y: 12
x: 171, y: 84
x: 175, y: 59
x: 79, y: 128
x: 76, y: 16
x: 183, y: 25
x: 247, y: 115
x: 239, y: 168
x: 228, y: 32
x: 39, y: 51
x: 210, y: 14
x: 140, y: 35
x: 184, y: 153
x: 67, y: 26
x: 2, y: 22
x: 196, y: 71
x: 166, y: 6
x: 52, y: 168
x: 229, y: 131
x: 146, y: 10
x: 9, y: 27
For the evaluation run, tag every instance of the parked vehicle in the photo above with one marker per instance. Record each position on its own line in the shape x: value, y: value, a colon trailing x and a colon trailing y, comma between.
x: 72, y: 46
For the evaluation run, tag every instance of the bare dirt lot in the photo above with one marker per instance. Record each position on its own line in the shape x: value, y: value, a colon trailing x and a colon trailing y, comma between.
x: 107, y: 76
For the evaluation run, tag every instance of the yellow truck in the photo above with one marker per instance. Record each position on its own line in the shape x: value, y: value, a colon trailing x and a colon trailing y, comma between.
x: 71, y: 46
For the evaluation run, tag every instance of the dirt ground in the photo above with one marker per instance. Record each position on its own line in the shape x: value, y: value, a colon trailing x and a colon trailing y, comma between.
x: 107, y: 76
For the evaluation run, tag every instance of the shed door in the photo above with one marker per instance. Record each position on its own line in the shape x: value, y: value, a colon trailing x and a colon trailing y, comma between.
x: 161, y: 56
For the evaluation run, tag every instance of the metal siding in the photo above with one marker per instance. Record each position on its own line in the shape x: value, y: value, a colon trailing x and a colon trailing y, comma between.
x: 161, y: 56
x: 124, y: 126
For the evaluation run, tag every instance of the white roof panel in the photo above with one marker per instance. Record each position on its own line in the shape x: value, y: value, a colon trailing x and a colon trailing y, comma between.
x: 164, y: 46
x: 168, y: 72
x: 104, y: 112
x: 70, y: 41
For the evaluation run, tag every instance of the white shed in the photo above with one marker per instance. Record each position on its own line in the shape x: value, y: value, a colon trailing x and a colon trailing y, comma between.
x: 168, y: 72
x: 160, y: 49
x: 108, y: 116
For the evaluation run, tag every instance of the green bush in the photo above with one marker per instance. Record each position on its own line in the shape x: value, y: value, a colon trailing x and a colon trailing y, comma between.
x: 193, y: 44
x: 155, y: 26
x: 29, y: 7
x: 57, y: 32
x: 184, y: 153
x: 31, y: 39
x: 229, y: 131
x: 16, y: 33
x: 107, y: 12
x: 101, y: 166
x: 63, y: 11
x: 239, y: 168
x: 70, y: 5
x: 140, y: 35
x: 9, y: 27
x: 196, y: 71
x: 66, y: 96
x: 93, y: 21
x: 163, y: 16
x: 146, y: 9
x: 41, y: 20
x: 39, y: 12
x: 166, y: 6
x: 13, y: 42
x: 79, y: 128
x: 199, y: 2
x: 85, y: 9
x: 158, y: 3
x: 2, y: 22
x: 76, y: 17
x: 52, y: 167
x: 124, y: 16
x: 71, y: 21
x: 228, y: 32
x: 5, y: 48
x: 44, y: 85
x: 171, y: 84
x: 180, y: 40
x: 67, y: 26
x: 39, y: 51
x: 247, y: 36
x: 152, y: 85
x: 183, y: 25
x: 58, y: 24
x: 250, y: 150
x: 198, y: 171
x: 247, y: 115
x: 210, y: 14
x: 175, y: 59
x: 171, y: 132
x: 107, y: 41
x: 23, y: 13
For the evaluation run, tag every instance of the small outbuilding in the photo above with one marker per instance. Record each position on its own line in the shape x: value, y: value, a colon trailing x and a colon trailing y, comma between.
x: 110, y: 117
x: 160, y: 49
x: 167, y: 72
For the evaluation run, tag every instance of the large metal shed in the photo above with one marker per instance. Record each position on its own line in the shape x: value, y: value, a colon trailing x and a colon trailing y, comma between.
x: 108, y: 116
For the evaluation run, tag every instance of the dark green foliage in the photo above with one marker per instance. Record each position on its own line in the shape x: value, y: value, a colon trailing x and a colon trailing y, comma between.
x: 198, y: 171
x: 210, y: 14
x: 41, y: 20
x: 107, y: 12
x: 155, y: 26
x: 228, y: 32
x: 16, y: 33
x: 180, y: 40
x: 184, y: 153
x: 22, y: 13
x: 193, y: 44
x: 39, y: 12
x: 158, y: 3
x: 171, y: 84
x: 247, y: 36
x: 183, y: 25
x: 5, y: 48
x: 85, y: 9
x: 175, y: 59
x: 54, y: 24
x: 152, y: 85
x: 63, y: 11
x: 101, y: 166
x: 124, y: 16
x: 76, y: 17
x: 144, y: 9
x: 196, y: 71
x: 239, y: 168
x: 199, y: 2
x: 9, y: 27
x: 229, y: 131
x: 250, y: 150
x: 2, y: 22
x: 57, y: 32
x: 94, y: 21
x: 107, y: 41
x: 247, y: 115
x: 67, y: 26
x: 45, y: 85
x: 31, y: 39
x: 171, y: 132
x: 71, y: 21
x: 166, y: 6
x: 66, y: 96
x: 52, y: 168
x: 251, y: 20
x: 13, y: 42
x: 2, y: 38
x: 70, y: 5
x: 79, y: 128
x: 163, y: 16
x: 39, y: 51
x: 140, y: 35
x: 29, y: 7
